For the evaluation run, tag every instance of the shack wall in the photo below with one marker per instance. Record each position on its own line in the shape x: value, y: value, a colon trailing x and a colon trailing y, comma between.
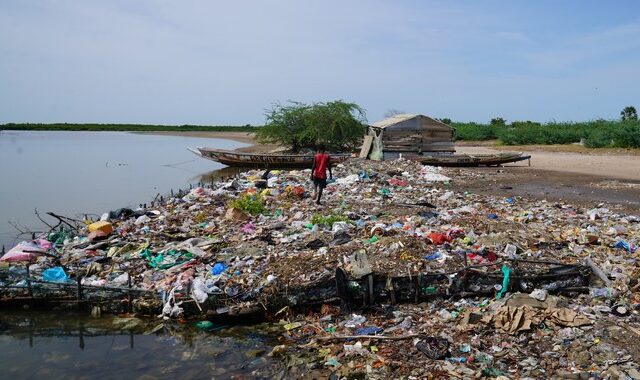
x: 417, y: 135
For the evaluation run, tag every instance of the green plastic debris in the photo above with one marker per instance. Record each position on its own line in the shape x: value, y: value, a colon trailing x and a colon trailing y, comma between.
x: 373, y: 239
x: 166, y: 260
x: 505, y: 281
x: 430, y: 289
x: 204, y: 325
x: 332, y: 362
x: 385, y: 191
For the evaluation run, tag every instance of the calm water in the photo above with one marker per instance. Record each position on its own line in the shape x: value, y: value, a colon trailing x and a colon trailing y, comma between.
x: 71, y: 346
x: 73, y: 173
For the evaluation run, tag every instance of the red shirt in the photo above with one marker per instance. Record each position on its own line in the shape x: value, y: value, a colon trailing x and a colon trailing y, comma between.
x: 322, y: 162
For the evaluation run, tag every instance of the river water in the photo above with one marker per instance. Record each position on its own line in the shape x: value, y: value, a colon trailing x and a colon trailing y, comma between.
x: 73, y: 173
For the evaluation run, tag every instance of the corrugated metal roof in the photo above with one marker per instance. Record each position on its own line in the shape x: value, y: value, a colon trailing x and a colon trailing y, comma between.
x: 395, y: 119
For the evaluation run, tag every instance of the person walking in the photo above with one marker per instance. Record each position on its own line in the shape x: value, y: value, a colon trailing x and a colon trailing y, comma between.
x: 321, y: 163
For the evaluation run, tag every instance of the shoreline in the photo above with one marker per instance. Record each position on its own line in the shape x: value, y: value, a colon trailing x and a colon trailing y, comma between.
x: 620, y: 164
x: 242, y: 137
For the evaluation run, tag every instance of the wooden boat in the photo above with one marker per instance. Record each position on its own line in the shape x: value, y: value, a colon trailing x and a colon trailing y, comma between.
x: 472, y: 159
x: 273, y: 160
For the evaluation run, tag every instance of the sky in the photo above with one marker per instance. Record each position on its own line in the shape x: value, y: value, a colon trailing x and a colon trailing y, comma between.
x: 227, y: 62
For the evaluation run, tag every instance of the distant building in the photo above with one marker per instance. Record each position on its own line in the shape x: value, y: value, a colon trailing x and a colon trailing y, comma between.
x: 408, y: 134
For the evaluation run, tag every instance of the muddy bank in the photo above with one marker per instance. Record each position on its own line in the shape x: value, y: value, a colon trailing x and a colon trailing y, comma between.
x: 576, y: 188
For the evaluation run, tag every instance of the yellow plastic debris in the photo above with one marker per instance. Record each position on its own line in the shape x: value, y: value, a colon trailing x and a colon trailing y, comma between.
x: 105, y: 227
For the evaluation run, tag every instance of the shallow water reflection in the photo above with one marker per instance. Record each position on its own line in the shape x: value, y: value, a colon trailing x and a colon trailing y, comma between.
x: 72, y: 346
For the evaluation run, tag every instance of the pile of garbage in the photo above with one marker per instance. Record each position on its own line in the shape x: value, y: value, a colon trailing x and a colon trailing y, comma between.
x: 398, y: 274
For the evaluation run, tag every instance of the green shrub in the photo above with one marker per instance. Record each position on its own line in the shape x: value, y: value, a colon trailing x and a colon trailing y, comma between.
x: 476, y: 132
x: 252, y: 204
x: 328, y: 220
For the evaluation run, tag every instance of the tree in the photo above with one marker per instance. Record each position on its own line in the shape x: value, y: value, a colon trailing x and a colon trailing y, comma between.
x: 629, y: 113
x: 338, y: 125
x: 498, y: 121
x: 446, y: 120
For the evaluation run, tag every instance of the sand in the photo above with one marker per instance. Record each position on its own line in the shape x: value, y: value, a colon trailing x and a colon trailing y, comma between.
x: 615, y: 166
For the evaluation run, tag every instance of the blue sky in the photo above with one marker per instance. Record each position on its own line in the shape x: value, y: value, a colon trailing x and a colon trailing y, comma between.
x: 215, y: 62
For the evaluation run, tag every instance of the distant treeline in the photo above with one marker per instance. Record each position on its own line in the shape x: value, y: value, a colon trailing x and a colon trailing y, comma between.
x: 594, y: 134
x: 127, y: 127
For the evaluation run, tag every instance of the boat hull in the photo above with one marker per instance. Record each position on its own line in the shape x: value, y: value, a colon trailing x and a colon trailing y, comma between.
x: 255, y: 160
x: 467, y: 160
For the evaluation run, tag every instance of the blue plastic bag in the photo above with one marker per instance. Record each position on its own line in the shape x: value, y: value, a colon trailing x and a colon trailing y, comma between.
x: 55, y: 274
x: 218, y: 268
x: 433, y: 256
x: 625, y: 245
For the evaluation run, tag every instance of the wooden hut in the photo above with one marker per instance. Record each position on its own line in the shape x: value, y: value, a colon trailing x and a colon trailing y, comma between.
x: 408, y: 134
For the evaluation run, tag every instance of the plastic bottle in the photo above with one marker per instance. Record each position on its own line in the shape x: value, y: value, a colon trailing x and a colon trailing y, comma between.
x: 602, y: 292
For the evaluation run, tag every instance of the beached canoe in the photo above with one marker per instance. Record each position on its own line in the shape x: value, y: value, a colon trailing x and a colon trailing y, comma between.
x: 472, y: 159
x: 273, y: 161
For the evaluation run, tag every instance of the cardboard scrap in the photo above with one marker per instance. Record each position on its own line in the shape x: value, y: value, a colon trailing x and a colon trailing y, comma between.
x: 512, y: 320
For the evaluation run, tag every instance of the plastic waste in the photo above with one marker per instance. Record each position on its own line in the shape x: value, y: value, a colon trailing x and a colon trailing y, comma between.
x: 24, y: 251
x: 539, y: 294
x: 103, y: 226
x: 505, y: 281
x: 218, y: 268
x: 205, y: 325
x: 435, y: 348
x: 625, y: 245
x: 433, y: 256
x: 55, y: 274
x: 369, y: 330
x: 199, y: 290
x: 607, y: 293
x: 355, y: 321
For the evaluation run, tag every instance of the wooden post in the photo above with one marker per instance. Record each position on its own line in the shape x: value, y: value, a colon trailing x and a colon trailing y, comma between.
x: 129, y: 292
x: 81, y: 337
x: 29, y: 281
x: 30, y: 333
x: 79, y: 291
x: 391, y: 289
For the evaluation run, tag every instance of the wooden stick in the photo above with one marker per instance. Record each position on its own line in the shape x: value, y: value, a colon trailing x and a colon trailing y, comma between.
x: 597, y: 271
x: 379, y: 337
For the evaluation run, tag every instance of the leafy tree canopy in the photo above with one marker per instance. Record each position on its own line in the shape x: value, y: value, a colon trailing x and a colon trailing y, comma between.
x: 498, y: 121
x: 338, y: 125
